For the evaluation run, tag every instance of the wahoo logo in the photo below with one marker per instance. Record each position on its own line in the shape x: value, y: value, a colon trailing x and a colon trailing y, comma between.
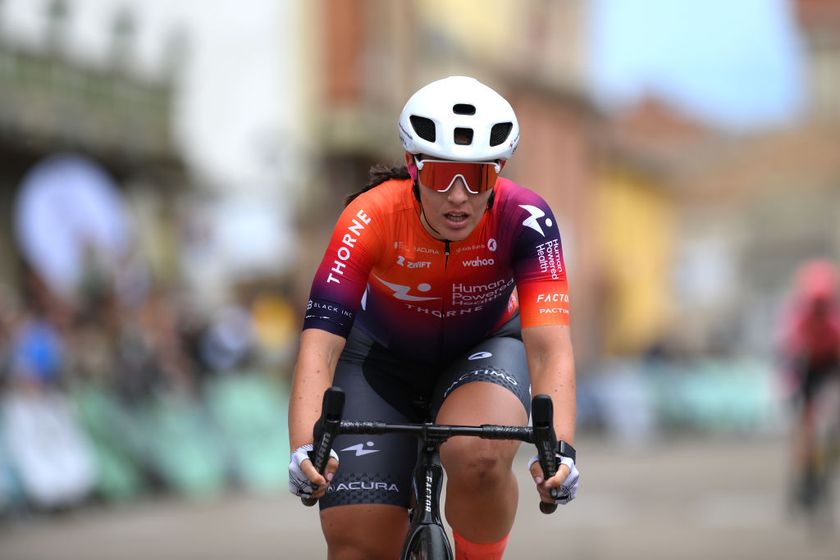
x: 478, y: 261
x: 532, y: 220
x: 402, y: 292
x: 492, y: 244
x: 360, y: 450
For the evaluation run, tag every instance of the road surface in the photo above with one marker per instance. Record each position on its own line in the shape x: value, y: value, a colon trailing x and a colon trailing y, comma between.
x: 688, y: 498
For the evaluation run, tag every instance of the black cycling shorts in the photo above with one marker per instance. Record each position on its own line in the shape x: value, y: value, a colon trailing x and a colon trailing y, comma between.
x: 815, y: 374
x: 381, y: 386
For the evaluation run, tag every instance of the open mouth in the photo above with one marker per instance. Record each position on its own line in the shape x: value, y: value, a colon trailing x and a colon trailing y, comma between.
x: 456, y: 217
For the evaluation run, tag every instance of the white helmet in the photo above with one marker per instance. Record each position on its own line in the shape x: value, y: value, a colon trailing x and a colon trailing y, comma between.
x: 461, y: 119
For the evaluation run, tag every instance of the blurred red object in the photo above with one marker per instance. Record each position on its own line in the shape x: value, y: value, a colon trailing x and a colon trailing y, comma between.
x: 817, y: 280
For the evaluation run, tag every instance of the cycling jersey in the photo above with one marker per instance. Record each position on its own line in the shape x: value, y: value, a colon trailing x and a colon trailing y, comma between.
x: 428, y: 299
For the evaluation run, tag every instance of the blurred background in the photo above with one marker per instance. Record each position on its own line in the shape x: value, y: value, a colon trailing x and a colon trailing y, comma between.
x: 170, y: 173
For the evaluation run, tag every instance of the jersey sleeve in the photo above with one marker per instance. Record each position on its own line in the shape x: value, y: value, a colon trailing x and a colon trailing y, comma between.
x: 341, y: 279
x: 538, y: 265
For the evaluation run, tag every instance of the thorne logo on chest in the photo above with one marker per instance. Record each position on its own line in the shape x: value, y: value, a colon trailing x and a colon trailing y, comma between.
x: 478, y: 262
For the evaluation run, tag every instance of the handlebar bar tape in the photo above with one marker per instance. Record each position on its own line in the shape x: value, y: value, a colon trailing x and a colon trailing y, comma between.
x: 325, y: 431
x: 542, y: 418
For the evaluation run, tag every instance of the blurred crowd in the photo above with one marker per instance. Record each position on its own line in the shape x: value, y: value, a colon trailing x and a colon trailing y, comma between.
x: 100, y: 380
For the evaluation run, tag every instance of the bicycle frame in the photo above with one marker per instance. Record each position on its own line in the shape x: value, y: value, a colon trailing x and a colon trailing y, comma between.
x: 426, y: 536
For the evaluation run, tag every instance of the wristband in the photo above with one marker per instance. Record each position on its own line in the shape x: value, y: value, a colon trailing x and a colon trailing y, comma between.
x: 566, y: 450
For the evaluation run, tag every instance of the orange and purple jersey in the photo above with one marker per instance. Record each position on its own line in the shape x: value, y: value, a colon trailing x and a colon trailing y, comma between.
x: 428, y: 299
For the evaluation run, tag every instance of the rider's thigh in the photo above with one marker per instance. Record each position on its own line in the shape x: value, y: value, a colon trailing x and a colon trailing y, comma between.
x: 364, y: 531
x: 482, y: 402
x: 474, y: 404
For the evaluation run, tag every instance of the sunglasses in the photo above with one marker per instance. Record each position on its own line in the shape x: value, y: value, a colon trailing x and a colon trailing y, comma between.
x: 478, y: 176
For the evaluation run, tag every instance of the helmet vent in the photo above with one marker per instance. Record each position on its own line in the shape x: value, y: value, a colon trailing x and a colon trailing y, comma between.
x: 463, y: 109
x: 425, y: 128
x: 463, y: 136
x: 499, y: 133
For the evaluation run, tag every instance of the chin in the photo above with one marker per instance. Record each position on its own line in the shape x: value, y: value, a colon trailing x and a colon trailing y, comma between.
x: 459, y: 234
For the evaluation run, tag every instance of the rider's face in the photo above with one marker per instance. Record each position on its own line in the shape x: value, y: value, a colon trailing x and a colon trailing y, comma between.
x: 453, y: 214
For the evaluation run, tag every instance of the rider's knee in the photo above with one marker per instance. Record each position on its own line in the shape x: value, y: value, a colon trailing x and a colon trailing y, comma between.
x: 348, y: 539
x: 477, y: 461
x: 342, y: 550
x: 359, y: 544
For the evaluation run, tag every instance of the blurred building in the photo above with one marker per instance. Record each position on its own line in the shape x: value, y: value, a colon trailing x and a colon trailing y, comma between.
x: 704, y: 228
x: 820, y: 24
x: 52, y: 103
x: 644, y: 149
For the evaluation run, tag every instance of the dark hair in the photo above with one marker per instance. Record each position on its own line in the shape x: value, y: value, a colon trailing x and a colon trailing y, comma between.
x: 380, y: 173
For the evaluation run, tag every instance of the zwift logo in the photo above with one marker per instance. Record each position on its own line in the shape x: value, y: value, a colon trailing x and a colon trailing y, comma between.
x: 402, y: 261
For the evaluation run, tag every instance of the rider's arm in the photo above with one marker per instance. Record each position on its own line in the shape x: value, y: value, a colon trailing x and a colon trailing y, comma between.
x: 543, y: 296
x: 333, y: 302
x: 551, y: 364
x: 314, y: 370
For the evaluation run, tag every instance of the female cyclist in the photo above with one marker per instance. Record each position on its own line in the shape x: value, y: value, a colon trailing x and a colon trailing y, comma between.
x: 811, y: 351
x: 443, y: 287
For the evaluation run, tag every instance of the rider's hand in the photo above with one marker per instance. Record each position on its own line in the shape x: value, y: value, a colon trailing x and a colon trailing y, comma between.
x: 304, y: 480
x: 566, y: 480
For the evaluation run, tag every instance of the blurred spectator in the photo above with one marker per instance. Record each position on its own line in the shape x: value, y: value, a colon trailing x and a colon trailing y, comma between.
x: 151, y: 354
x: 45, y: 443
x: 36, y: 352
x: 229, y: 339
x: 8, y: 311
x: 275, y: 329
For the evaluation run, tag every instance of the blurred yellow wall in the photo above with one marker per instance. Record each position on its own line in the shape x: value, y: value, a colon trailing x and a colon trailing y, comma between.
x: 635, y: 219
x: 475, y: 24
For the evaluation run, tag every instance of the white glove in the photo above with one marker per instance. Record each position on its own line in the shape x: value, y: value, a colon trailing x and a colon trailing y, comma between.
x: 299, y: 484
x: 568, y: 490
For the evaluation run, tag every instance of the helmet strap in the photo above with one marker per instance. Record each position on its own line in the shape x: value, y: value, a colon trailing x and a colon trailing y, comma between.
x: 412, y: 166
x: 426, y: 220
x: 415, y: 187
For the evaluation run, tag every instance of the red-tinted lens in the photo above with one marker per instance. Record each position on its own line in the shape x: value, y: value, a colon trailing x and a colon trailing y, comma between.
x: 441, y: 175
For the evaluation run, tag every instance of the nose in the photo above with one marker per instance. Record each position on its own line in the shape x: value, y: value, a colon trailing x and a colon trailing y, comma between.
x: 458, y: 192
